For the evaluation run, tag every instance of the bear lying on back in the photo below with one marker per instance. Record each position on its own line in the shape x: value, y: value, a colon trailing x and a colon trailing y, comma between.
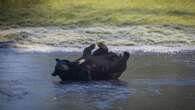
x: 98, y: 65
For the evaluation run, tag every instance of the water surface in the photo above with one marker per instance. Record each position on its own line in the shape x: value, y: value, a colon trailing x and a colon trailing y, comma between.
x: 152, y: 82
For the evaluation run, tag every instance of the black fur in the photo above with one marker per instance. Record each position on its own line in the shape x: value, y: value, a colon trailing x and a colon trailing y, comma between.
x: 105, y: 66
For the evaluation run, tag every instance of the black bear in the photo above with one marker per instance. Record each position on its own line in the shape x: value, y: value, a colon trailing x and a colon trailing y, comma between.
x: 99, y: 65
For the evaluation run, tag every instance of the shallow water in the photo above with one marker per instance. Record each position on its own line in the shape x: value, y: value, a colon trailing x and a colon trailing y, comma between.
x: 152, y: 82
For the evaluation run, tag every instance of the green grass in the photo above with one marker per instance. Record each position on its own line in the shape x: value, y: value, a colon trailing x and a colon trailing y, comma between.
x: 7, y: 38
x: 96, y: 12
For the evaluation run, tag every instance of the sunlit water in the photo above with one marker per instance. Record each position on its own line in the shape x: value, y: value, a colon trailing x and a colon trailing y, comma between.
x: 152, y: 82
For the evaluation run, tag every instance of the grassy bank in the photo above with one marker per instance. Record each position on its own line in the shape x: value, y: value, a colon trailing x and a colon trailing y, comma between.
x: 92, y: 12
x: 114, y: 36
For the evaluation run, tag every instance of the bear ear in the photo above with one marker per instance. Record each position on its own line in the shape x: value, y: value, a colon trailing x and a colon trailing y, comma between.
x: 57, y: 60
x: 126, y: 54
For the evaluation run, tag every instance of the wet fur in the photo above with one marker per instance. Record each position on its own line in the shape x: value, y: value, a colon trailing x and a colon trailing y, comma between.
x: 105, y: 66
